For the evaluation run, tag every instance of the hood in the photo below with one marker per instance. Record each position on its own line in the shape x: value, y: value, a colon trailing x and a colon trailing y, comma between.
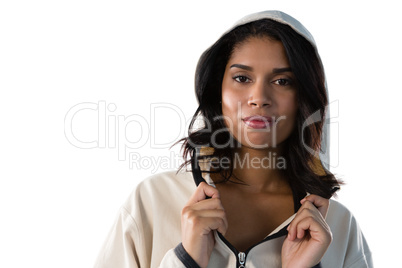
x: 279, y: 17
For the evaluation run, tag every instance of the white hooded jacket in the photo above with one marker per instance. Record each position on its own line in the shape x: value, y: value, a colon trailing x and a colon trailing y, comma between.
x: 147, y: 232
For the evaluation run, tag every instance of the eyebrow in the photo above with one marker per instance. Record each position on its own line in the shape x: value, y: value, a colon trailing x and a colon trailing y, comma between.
x: 281, y: 70
x: 241, y: 66
x: 275, y: 70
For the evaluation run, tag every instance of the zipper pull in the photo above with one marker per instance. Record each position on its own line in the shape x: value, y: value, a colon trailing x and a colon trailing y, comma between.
x: 242, y: 259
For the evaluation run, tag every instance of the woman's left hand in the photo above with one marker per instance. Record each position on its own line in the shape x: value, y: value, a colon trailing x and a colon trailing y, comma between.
x: 309, y: 235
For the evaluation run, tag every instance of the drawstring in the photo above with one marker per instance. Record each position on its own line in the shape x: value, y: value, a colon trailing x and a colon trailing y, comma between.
x: 195, y: 168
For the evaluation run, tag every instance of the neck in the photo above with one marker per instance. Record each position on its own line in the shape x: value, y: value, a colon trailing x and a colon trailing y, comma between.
x: 260, y: 170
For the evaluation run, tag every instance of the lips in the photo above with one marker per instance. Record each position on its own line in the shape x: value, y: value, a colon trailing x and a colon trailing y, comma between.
x: 258, y: 121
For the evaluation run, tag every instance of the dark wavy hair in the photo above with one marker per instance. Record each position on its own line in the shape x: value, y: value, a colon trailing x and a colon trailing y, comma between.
x: 301, y: 165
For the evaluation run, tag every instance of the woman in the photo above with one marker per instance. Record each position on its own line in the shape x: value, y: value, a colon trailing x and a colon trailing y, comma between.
x: 259, y: 161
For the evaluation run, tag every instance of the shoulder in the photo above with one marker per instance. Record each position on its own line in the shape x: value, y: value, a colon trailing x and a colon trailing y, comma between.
x: 337, y: 210
x: 341, y: 219
x: 349, y: 244
x: 151, y: 213
x: 170, y: 188
x: 163, y: 183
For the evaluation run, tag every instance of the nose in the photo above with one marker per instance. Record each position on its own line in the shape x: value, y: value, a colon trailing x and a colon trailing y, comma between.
x: 259, y: 96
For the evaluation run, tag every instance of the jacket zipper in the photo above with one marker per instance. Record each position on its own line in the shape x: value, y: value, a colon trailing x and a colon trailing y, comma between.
x: 242, y: 259
x: 241, y: 256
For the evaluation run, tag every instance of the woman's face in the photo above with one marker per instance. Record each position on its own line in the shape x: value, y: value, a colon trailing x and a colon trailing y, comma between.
x: 259, y: 93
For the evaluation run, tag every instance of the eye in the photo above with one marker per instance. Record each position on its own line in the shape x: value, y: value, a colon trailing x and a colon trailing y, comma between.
x: 241, y: 79
x: 282, y: 82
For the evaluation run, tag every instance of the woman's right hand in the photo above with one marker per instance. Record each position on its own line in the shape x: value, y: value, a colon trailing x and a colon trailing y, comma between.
x: 199, y: 217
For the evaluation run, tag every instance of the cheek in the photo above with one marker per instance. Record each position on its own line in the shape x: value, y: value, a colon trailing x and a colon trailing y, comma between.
x: 289, y: 109
x: 231, y: 101
x: 229, y: 109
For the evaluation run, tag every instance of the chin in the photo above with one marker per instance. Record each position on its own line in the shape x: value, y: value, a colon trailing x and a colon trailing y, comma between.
x: 261, y: 142
x: 258, y: 143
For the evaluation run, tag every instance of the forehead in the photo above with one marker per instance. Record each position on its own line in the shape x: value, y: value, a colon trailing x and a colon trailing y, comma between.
x: 259, y: 49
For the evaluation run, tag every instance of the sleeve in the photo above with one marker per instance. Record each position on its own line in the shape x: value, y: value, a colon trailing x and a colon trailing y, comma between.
x: 358, y: 254
x: 179, y: 258
x: 120, y: 250
x: 349, y: 248
x: 147, y: 228
x: 130, y: 242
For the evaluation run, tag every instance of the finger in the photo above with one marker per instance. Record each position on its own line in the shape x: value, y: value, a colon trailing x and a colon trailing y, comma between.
x: 316, y: 230
x: 208, y: 213
x: 307, y: 210
x: 203, y: 190
x: 303, y: 226
x: 321, y: 203
x: 306, y: 224
x: 217, y: 223
x: 212, y: 203
x: 206, y: 220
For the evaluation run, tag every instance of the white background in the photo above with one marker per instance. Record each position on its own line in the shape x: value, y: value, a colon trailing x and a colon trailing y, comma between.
x: 58, y: 201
